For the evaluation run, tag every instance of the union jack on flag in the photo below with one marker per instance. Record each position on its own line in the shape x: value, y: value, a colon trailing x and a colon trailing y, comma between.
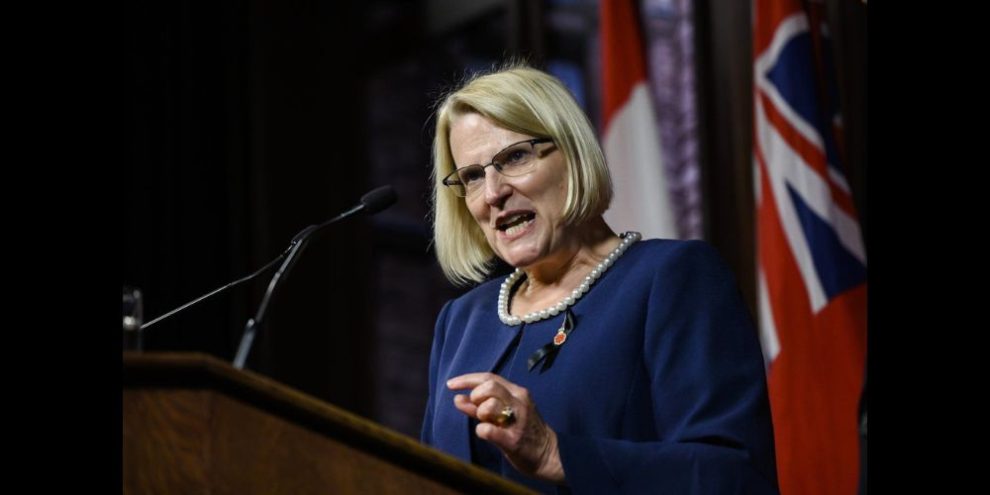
x: 810, y: 253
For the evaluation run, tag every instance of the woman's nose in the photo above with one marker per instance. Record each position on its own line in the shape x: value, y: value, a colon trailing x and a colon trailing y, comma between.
x: 496, y: 188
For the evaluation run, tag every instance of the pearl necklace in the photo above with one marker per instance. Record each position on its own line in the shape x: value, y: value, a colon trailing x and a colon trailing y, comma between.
x: 503, y: 294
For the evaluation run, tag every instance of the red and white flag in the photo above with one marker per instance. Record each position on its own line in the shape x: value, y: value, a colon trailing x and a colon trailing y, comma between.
x: 810, y: 254
x: 631, y: 140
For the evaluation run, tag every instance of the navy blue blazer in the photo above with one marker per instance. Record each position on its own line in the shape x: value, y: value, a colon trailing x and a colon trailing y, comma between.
x: 660, y: 387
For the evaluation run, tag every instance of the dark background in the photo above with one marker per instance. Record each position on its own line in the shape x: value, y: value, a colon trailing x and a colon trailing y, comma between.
x: 251, y: 120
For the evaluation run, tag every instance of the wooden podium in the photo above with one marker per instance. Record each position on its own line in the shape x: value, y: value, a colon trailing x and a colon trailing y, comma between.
x: 195, y: 424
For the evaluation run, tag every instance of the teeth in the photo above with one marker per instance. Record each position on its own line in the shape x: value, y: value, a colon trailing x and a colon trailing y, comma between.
x: 516, y: 228
x: 513, y: 219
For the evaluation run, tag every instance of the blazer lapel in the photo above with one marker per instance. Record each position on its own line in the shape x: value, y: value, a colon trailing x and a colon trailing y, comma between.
x: 483, y: 347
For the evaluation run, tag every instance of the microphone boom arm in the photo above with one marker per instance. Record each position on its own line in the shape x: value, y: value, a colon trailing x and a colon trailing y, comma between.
x: 298, y: 244
x: 253, y: 323
x: 217, y: 291
x: 373, y: 202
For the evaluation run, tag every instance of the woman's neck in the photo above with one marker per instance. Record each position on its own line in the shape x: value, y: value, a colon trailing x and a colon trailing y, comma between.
x: 564, y: 272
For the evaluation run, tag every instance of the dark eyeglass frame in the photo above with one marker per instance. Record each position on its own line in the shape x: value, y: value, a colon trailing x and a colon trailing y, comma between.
x: 452, y: 180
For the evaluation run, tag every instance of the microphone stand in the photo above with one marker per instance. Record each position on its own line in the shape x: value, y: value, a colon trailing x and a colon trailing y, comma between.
x: 298, y: 244
x: 217, y: 291
x: 373, y: 202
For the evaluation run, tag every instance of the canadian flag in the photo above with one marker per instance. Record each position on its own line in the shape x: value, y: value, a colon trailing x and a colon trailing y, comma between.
x: 631, y: 139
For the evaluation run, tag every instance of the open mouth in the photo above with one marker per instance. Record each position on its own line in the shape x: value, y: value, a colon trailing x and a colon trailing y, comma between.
x: 516, y: 222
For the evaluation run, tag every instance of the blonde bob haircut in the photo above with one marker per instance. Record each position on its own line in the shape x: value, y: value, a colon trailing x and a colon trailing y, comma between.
x: 528, y: 101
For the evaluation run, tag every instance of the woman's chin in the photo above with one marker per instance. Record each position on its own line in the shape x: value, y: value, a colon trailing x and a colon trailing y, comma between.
x: 520, y: 256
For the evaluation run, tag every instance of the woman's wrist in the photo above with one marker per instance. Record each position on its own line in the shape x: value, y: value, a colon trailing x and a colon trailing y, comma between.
x: 551, y: 468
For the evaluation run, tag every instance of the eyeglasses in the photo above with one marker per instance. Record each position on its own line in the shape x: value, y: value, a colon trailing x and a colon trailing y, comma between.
x: 515, y: 160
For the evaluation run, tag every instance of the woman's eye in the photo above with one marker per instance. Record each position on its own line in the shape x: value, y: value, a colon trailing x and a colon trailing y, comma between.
x: 468, y: 176
x: 514, y: 157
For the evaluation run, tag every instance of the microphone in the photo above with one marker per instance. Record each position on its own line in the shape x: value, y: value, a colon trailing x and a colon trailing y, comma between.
x: 372, y: 202
x: 378, y: 199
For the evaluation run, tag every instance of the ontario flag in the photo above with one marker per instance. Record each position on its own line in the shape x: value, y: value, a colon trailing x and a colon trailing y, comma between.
x: 631, y: 139
x: 810, y: 253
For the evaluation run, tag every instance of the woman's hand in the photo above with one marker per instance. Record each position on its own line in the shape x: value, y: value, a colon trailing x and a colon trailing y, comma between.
x: 526, y: 440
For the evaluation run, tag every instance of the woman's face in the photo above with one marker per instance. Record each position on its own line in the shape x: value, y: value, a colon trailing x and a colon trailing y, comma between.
x: 522, y: 217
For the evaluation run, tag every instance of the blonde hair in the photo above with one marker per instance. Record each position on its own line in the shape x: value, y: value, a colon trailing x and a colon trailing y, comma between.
x: 528, y: 101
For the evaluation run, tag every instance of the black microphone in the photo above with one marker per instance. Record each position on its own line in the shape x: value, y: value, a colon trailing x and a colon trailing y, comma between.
x: 372, y: 202
x: 378, y: 199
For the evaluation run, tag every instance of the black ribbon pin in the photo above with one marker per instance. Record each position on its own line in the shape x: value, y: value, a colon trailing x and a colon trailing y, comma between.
x: 549, y: 352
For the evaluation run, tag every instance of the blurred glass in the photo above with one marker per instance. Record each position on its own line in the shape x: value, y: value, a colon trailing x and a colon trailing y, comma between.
x: 133, y: 318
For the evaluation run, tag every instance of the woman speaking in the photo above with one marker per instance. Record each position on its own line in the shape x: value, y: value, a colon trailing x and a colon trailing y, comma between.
x: 605, y: 363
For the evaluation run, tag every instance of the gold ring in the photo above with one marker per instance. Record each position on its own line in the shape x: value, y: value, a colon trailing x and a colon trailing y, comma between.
x: 506, y: 417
